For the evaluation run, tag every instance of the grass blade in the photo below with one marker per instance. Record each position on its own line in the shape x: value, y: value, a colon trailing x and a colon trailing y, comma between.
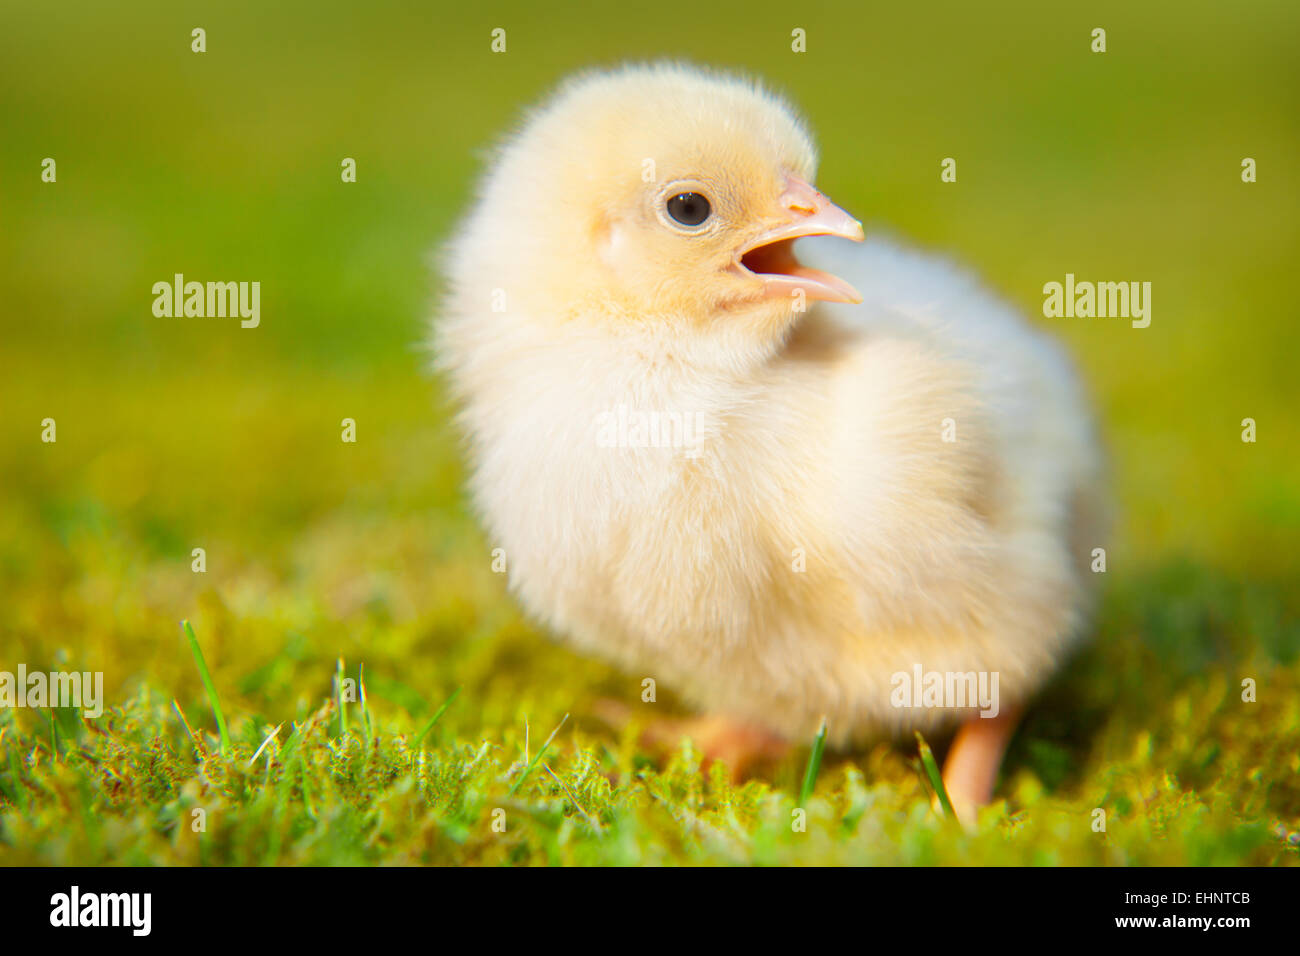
x: 341, y: 694
x: 814, y: 764
x: 935, y: 778
x: 437, y: 717
x: 365, y: 712
x: 572, y: 799
x: 253, y: 759
x: 208, y: 686
x: 533, y: 763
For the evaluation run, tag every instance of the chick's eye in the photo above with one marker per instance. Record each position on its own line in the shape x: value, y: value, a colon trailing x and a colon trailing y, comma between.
x: 690, y: 209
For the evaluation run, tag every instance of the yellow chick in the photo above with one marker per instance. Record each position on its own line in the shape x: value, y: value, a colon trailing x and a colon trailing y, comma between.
x: 866, y: 492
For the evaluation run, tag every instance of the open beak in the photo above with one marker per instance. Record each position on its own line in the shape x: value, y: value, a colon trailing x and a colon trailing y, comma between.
x: 770, y: 256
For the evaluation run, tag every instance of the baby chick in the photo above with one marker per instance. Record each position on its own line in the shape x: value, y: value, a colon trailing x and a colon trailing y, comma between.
x: 773, y: 488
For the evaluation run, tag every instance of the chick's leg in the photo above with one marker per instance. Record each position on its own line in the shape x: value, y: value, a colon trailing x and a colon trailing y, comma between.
x: 973, y: 761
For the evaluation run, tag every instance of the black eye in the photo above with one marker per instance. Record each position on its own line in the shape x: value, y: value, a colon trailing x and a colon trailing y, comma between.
x: 690, y: 209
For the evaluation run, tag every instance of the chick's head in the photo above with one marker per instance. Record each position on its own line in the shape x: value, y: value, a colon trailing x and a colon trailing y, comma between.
x: 664, y: 192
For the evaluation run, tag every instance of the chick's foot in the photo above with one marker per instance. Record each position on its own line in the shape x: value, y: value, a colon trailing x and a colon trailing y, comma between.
x: 743, y: 748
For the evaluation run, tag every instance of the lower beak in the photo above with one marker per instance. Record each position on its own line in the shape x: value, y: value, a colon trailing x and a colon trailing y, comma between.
x: 770, y: 256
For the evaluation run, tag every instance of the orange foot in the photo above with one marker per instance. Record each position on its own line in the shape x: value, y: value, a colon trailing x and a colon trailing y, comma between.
x: 971, y: 769
x: 740, y: 746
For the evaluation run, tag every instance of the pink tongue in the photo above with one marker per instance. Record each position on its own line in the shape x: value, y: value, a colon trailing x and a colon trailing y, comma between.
x: 826, y: 279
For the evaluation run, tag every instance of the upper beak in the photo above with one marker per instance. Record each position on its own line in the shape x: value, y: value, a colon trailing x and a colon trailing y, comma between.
x: 803, y: 212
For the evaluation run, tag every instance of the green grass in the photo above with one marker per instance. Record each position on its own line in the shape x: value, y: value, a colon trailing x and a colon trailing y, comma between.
x: 1184, y: 769
x: 933, y: 776
x: 329, y: 561
x: 213, y: 699
x: 814, y: 764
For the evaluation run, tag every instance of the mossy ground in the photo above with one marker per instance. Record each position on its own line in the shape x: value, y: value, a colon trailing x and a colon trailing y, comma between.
x: 1186, y: 772
x: 182, y: 433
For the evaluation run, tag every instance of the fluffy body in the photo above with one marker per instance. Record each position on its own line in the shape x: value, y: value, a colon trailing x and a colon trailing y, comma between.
x: 820, y: 535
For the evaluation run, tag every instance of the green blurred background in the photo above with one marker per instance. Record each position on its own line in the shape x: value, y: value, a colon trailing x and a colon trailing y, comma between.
x: 181, y: 433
